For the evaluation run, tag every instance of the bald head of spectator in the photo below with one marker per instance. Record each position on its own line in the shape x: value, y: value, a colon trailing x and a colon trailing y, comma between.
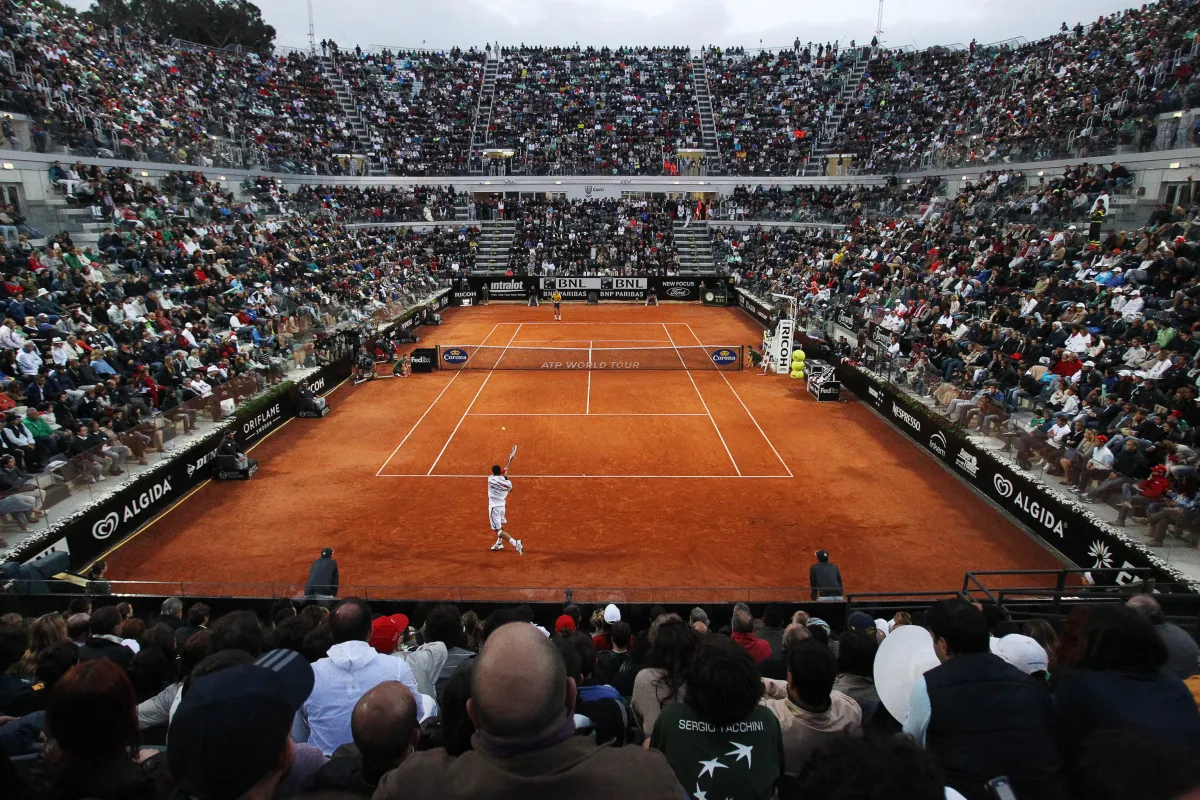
x: 79, y: 628
x: 742, y: 622
x: 385, y: 728
x: 519, y: 686
x: 1147, y: 606
x: 794, y: 634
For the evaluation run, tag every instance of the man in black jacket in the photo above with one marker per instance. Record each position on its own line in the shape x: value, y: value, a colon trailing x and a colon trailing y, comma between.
x: 825, y: 578
x: 981, y: 717
x: 323, y: 575
x: 104, y: 642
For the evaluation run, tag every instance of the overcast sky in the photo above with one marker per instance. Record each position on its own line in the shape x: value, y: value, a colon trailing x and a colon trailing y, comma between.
x: 409, y: 23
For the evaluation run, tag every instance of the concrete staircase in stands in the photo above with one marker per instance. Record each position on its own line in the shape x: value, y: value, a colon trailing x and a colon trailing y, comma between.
x: 362, y: 130
x: 695, y: 247
x: 495, y: 243
x: 708, y: 121
x: 481, y: 131
x: 826, y: 137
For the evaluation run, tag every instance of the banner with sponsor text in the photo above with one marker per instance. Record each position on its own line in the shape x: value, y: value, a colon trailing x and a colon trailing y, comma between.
x: 1063, y: 526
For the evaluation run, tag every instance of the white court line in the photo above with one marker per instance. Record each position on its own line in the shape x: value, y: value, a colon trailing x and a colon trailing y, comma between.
x: 706, y: 411
x: 581, y: 341
x: 505, y: 350
x: 460, y: 422
x: 501, y: 414
x: 615, y: 477
x: 588, y: 408
x: 431, y: 405
x: 469, y: 407
x: 747, y: 410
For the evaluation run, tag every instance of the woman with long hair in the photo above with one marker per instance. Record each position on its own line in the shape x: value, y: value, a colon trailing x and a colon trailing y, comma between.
x: 92, y: 745
x: 44, y: 632
x: 1114, y: 680
x: 672, y: 645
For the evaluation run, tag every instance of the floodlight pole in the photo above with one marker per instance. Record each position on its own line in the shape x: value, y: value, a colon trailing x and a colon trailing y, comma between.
x: 879, y: 21
x: 312, y: 30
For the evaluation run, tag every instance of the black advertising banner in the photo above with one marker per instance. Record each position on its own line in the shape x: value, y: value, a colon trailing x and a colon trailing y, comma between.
x: 1068, y: 529
x: 96, y: 529
x: 519, y: 288
x: 424, y: 359
x: 118, y: 516
x: 755, y: 308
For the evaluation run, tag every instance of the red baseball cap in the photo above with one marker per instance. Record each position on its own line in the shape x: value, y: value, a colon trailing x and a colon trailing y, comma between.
x: 386, y: 633
x: 564, y: 623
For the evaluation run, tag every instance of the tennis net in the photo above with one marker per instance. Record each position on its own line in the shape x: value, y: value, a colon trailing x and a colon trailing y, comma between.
x: 693, y: 357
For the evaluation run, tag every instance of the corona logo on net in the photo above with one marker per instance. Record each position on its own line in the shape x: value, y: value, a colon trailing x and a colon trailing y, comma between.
x: 724, y: 356
x: 455, y: 355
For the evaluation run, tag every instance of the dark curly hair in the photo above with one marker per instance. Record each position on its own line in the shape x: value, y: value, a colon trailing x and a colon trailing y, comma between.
x: 725, y: 685
x: 868, y: 768
x: 1119, y: 639
x: 444, y: 624
x: 672, y: 647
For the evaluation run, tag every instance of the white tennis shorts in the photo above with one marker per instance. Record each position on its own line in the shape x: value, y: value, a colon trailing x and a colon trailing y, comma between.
x: 496, y: 513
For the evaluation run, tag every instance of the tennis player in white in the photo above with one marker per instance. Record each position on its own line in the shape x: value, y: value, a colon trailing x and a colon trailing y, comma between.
x: 498, y: 488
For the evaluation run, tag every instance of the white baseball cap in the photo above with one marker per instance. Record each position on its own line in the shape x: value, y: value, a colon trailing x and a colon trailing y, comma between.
x: 1022, y: 652
x: 612, y: 614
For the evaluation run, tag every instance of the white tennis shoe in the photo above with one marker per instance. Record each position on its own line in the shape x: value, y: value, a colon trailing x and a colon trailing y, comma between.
x: 499, y: 545
x: 520, y: 549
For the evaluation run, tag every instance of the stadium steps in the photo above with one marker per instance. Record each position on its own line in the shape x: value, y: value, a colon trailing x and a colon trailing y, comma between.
x: 708, y: 121
x: 1126, y: 212
x: 823, y: 146
x: 349, y: 105
x: 462, y: 210
x: 694, y: 245
x: 494, y: 243
x: 480, y: 132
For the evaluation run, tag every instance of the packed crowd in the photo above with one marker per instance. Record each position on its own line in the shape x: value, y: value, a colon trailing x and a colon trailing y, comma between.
x: 607, y: 112
x: 820, y: 203
x: 188, y: 299
x: 991, y: 309
x: 1082, y: 91
x: 770, y: 106
x: 378, y: 204
x: 624, y: 111
x: 593, y: 237
x: 420, y: 106
x: 633, y: 702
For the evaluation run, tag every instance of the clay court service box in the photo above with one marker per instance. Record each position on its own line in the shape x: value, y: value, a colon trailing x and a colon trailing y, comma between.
x: 423, y: 359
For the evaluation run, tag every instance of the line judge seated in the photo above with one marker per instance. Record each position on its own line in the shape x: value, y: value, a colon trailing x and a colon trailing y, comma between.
x: 230, y: 455
x: 308, y: 403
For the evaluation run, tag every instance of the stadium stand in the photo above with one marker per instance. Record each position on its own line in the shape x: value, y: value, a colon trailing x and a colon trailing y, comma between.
x: 1039, y: 310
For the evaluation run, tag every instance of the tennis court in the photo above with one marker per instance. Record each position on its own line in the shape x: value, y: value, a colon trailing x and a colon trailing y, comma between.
x: 688, y: 483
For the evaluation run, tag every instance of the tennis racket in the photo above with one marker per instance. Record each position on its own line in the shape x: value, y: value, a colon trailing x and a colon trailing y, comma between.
x: 511, y: 455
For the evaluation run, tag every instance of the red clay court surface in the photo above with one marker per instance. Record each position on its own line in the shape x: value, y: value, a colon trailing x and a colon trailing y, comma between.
x: 695, y: 481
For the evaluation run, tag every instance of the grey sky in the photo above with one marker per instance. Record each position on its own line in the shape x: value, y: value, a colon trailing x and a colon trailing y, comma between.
x: 403, y: 23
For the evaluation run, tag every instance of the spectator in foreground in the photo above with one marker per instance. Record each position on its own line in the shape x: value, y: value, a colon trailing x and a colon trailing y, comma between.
x: 92, y: 747
x: 825, y: 578
x: 524, y: 746
x: 742, y: 624
x: 856, y: 769
x: 1118, y: 683
x: 1183, y: 654
x: 384, y: 724
x: 810, y: 711
x: 350, y: 669
x: 672, y: 645
x: 230, y: 736
x: 979, y: 716
x: 104, y: 641
x: 720, y: 740
x: 776, y: 667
